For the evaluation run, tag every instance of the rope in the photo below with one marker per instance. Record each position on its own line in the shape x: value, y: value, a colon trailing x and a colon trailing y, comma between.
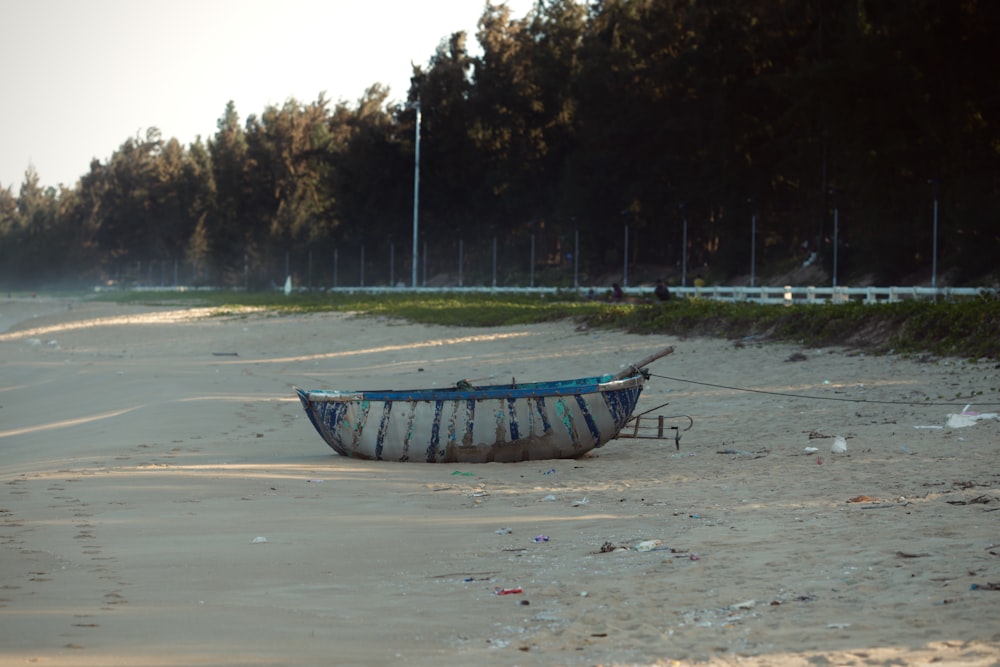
x: 821, y: 398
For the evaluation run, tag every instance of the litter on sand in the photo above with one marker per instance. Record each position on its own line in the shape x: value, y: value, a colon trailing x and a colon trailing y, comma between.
x: 968, y: 418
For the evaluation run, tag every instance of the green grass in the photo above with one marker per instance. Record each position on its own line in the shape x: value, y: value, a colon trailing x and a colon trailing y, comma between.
x: 967, y: 328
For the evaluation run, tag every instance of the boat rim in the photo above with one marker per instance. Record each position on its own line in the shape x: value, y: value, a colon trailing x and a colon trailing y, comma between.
x: 556, y: 388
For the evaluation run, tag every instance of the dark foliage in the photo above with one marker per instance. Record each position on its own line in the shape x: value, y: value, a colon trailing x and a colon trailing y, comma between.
x: 679, y: 121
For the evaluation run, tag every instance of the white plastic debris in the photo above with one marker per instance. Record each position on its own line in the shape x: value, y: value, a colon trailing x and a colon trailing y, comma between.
x: 967, y: 418
x: 648, y: 545
x: 258, y: 540
x: 811, y: 450
x: 839, y: 445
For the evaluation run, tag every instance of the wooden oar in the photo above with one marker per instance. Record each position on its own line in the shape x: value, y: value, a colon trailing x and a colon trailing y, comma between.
x: 632, y: 369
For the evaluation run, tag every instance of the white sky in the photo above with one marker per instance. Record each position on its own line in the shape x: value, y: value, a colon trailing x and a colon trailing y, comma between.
x: 79, y: 77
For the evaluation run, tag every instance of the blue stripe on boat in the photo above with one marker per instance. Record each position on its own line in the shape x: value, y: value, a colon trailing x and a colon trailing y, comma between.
x: 540, y: 404
x: 330, y: 417
x: 431, y: 453
x: 589, y: 418
x: 514, y: 427
x: 409, y: 433
x: 383, y: 428
x: 621, y: 404
x: 567, y: 419
x: 470, y: 422
x: 359, y: 425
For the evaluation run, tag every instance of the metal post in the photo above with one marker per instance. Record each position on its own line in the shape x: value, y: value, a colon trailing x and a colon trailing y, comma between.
x: 416, y: 190
x: 934, y: 183
x: 836, y: 240
x: 531, y: 271
x: 576, y: 257
x: 753, y: 248
x: 684, y: 248
x: 935, y: 251
x: 625, y: 272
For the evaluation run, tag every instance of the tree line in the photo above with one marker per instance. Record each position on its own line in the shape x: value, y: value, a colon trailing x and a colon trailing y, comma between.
x: 693, y: 124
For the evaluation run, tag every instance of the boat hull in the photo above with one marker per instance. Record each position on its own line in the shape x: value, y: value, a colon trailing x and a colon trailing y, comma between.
x: 503, y: 423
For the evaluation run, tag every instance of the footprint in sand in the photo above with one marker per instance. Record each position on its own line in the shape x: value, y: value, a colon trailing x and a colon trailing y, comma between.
x: 112, y: 599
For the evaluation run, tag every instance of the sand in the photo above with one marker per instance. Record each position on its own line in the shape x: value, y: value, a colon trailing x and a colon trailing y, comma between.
x: 164, y: 501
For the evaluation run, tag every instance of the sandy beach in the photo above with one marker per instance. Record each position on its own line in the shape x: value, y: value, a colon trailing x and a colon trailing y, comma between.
x: 165, y: 501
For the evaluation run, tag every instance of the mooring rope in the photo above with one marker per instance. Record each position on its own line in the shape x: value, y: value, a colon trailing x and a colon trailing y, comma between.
x: 966, y: 403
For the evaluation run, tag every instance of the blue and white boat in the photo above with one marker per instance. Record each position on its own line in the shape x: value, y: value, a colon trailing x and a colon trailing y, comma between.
x: 467, y: 424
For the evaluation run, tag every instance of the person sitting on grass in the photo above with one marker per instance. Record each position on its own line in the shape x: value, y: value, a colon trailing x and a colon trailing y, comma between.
x: 662, y: 292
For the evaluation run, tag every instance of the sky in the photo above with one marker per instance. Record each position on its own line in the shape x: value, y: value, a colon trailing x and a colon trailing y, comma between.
x: 80, y: 77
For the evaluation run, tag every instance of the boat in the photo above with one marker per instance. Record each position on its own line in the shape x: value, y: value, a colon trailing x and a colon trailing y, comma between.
x: 476, y: 424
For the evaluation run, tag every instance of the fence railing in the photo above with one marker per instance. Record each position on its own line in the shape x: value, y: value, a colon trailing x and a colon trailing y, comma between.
x: 797, y: 295
x: 786, y: 295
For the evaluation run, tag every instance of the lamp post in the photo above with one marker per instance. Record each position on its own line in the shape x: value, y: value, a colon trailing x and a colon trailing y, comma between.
x: 416, y: 191
x: 935, y: 186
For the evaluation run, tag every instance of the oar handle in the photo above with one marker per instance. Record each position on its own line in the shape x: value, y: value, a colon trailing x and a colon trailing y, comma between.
x: 631, y: 369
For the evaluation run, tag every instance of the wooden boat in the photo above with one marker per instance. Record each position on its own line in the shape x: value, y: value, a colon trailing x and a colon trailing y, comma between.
x: 466, y: 424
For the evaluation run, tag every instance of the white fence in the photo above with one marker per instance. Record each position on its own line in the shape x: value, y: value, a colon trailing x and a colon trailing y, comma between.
x: 786, y: 295
x: 796, y: 295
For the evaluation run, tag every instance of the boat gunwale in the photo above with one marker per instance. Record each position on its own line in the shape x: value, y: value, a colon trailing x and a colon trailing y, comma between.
x: 573, y: 387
